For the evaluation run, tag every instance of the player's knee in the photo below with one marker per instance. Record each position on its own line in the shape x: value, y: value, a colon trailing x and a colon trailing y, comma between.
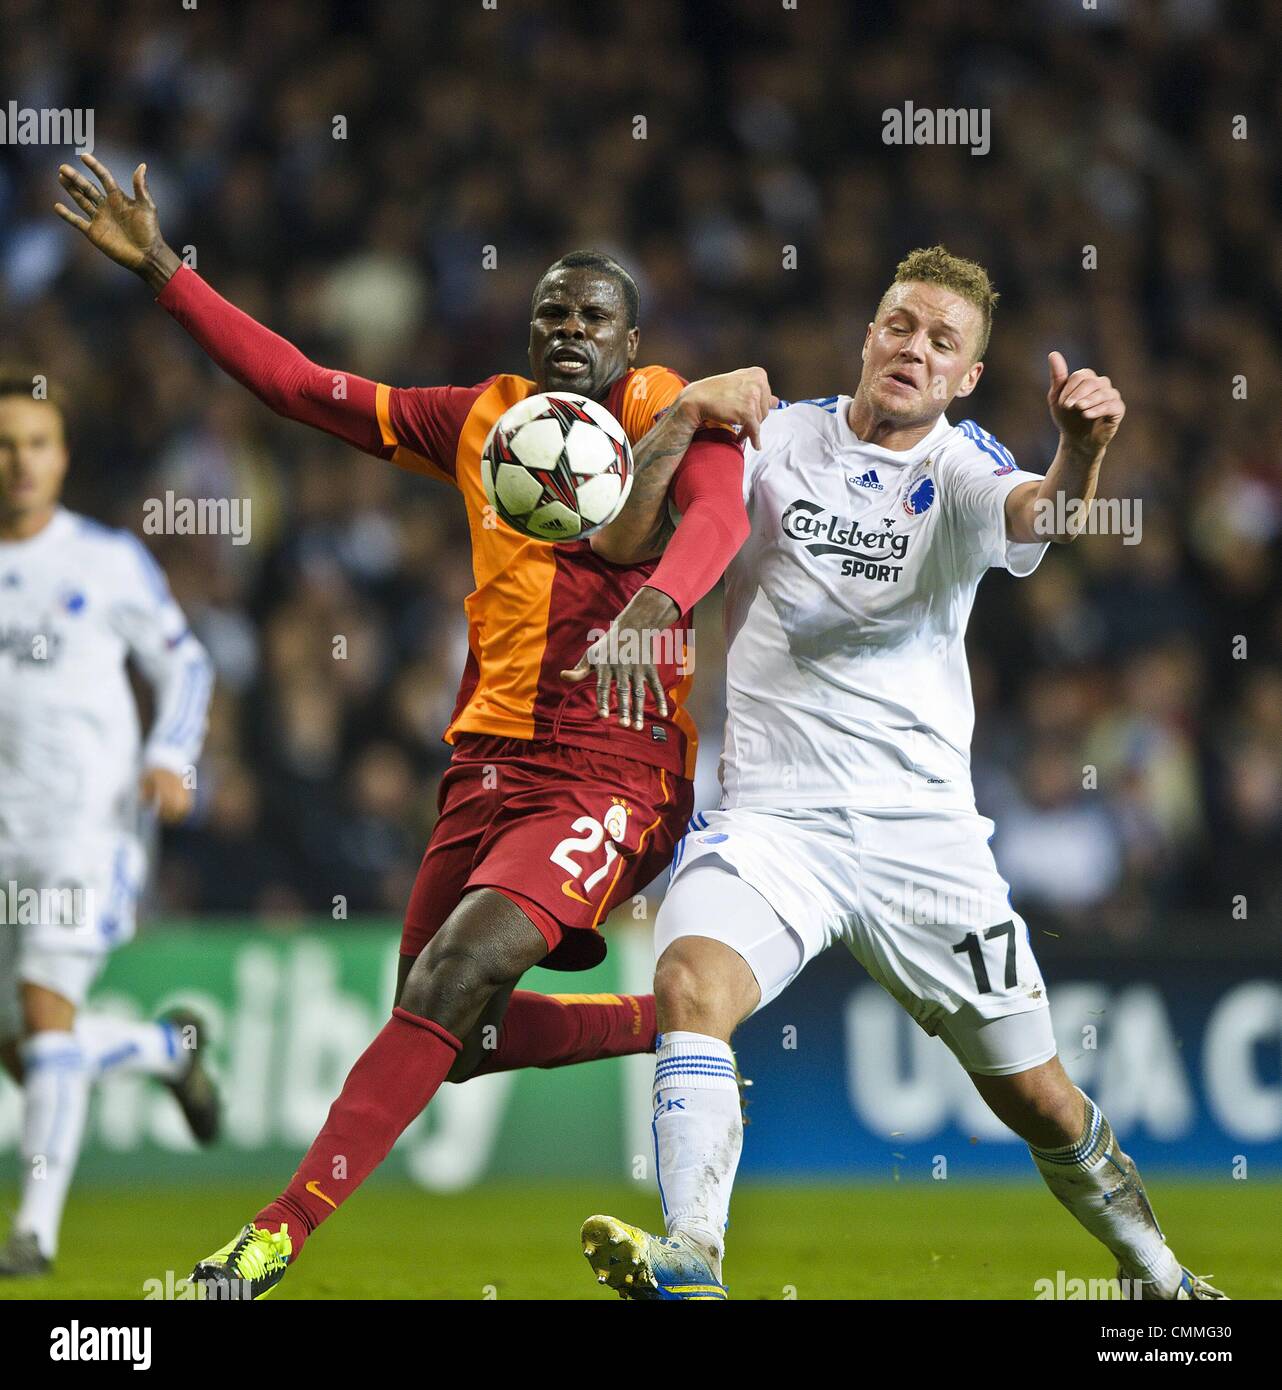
x: 454, y: 975
x: 693, y: 996
x: 441, y: 982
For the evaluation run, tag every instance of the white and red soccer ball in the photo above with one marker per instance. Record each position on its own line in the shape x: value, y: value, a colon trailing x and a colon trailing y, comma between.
x: 557, y: 467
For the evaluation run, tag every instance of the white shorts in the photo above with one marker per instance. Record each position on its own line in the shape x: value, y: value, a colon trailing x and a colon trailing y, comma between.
x: 60, y: 914
x: 68, y: 973
x: 914, y: 895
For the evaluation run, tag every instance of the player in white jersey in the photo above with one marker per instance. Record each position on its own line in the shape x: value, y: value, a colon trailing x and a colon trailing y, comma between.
x: 76, y: 601
x: 848, y: 814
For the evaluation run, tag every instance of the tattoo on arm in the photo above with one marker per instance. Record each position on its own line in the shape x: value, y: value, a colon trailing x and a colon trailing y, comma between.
x: 644, y: 523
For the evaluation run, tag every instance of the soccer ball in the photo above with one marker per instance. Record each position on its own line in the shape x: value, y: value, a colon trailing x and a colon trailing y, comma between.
x: 557, y: 467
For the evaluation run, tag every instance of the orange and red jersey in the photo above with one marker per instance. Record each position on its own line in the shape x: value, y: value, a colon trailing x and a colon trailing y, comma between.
x: 536, y: 607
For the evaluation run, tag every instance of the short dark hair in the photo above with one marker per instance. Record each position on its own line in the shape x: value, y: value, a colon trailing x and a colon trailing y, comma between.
x: 607, y: 265
x: 16, y: 381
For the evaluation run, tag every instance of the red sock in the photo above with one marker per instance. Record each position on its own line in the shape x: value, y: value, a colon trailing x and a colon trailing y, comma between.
x: 393, y: 1079
x: 556, y: 1030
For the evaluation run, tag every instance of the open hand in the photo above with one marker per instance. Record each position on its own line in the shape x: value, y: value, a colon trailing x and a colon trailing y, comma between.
x: 124, y: 228
x: 624, y: 656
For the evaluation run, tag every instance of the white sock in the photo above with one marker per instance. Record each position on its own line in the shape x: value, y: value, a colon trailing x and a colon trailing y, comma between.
x: 698, y: 1136
x: 1102, y: 1187
x: 56, y: 1094
x: 114, y: 1046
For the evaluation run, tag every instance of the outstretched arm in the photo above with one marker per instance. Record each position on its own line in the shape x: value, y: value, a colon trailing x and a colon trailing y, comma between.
x: 127, y: 230
x: 642, y: 529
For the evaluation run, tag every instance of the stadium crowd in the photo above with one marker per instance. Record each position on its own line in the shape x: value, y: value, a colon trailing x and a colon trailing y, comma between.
x: 347, y: 173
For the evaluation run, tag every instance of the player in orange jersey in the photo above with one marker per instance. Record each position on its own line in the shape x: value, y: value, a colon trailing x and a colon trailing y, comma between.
x: 549, y: 814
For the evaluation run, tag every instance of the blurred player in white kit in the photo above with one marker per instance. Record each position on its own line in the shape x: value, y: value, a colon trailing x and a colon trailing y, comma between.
x: 77, y: 600
x: 848, y: 814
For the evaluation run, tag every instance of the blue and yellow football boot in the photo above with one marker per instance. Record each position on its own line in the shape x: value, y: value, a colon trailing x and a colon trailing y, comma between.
x: 646, y: 1268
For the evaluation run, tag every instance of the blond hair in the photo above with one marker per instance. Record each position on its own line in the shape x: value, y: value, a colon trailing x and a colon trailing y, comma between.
x: 935, y: 265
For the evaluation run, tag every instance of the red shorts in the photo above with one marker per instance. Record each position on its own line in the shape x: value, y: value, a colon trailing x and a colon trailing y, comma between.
x: 565, y: 833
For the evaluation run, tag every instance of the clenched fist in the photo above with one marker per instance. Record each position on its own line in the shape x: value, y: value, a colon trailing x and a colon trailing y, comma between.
x: 1086, y: 408
x: 166, y: 792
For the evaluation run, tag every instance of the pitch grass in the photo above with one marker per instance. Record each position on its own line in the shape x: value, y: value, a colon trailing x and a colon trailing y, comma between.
x: 928, y: 1241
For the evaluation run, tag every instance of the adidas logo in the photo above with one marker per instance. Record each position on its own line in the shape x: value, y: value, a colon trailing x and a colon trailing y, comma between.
x: 869, y: 480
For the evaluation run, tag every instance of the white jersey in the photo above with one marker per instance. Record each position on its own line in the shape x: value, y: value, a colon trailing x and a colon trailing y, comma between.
x: 846, y: 612
x: 75, y: 601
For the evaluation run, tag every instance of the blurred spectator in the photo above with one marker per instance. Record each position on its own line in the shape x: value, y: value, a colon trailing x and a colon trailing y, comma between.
x: 384, y: 189
x: 1056, y: 842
